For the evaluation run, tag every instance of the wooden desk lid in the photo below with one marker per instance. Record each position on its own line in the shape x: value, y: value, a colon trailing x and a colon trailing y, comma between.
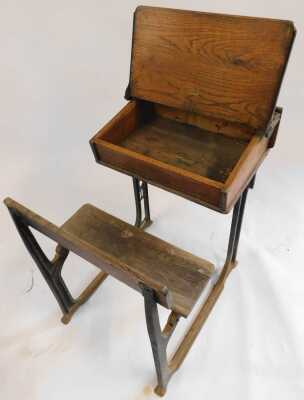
x: 227, y: 68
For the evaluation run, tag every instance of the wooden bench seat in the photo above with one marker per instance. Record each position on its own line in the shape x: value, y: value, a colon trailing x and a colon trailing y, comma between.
x: 134, y: 256
x: 163, y: 273
x: 120, y: 250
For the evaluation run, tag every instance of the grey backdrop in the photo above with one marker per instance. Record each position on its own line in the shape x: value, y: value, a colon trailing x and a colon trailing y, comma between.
x: 64, y: 67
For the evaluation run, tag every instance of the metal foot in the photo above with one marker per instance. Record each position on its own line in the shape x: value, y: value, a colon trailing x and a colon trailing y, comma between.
x: 141, y: 195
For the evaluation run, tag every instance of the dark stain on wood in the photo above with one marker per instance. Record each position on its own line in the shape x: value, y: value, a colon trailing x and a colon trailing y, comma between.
x: 187, y: 147
x: 142, y: 257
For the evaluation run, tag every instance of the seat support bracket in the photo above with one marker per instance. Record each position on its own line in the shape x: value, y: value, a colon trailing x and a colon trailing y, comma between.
x: 141, y: 195
x: 51, y: 270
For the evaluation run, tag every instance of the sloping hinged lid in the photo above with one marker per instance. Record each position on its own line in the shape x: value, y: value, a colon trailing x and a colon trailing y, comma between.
x: 224, y: 67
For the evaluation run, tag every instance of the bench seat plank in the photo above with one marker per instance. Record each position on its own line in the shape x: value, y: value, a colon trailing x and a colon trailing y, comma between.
x: 143, y: 257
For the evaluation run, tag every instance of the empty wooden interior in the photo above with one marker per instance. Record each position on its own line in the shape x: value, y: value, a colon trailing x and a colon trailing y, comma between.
x: 180, y: 139
x: 195, y: 156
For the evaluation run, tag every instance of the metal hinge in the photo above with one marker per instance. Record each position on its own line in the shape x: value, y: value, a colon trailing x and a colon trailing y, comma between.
x: 275, y: 119
x: 128, y: 93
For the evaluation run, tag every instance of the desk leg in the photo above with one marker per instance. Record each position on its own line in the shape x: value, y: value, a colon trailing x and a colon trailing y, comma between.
x: 159, y: 339
x: 236, y: 224
x: 141, y: 195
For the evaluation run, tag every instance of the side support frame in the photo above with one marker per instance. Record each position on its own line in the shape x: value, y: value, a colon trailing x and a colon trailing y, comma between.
x: 141, y: 195
x: 51, y: 269
x: 159, y: 338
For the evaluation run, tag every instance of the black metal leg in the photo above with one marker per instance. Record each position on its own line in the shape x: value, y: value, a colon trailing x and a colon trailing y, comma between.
x: 236, y: 224
x: 141, y: 195
x: 239, y: 225
x: 158, y: 342
x: 51, y: 271
x: 159, y: 339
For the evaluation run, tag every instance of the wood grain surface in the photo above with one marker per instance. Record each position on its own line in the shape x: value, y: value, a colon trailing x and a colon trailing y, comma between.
x: 187, y: 147
x: 221, y: 66
x: 159, y: 147
x: 144, y: 257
